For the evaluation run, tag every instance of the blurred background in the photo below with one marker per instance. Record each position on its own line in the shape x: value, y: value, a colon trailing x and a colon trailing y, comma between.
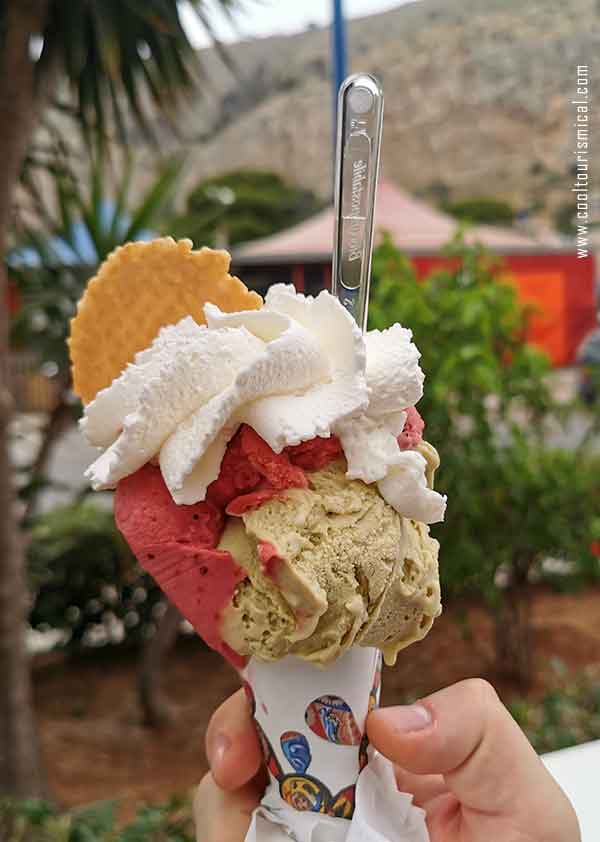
x: 214, y: 120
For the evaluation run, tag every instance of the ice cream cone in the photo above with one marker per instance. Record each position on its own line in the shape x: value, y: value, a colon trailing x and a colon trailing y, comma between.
x: 311, y: 724
x: 270, y: 474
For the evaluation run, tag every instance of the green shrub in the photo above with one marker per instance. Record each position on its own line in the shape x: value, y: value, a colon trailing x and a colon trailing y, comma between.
x: 482, y: 209
x: 567, y: 715
x: 242, y: 205
x: 85, y: 580
x: 564, y: 218
x: 513, y: 505
x: 37, y: 821
x: 470, y: 329
x: 485, y: 405
x: 512, y: 501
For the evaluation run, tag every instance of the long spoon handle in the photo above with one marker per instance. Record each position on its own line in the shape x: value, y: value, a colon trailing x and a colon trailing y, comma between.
x: 359, y: 129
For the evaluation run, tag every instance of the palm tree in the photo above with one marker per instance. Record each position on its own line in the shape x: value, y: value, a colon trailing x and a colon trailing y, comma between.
x: 112, y: 63
x: 80, y: 219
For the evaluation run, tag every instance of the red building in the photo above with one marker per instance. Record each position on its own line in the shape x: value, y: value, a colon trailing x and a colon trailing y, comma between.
x: 551, y: 277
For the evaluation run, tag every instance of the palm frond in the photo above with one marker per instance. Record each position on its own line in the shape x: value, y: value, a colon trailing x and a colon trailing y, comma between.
x: 89, y: 212
x: 88, y: 209
x: 123, y: 59
x: 121, y: 200
x: 155, y: 200
x: 224, y: 55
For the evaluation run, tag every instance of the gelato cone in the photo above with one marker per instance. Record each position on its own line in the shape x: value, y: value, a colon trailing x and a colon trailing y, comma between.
x: 271, y: 475
x: 325, y: 781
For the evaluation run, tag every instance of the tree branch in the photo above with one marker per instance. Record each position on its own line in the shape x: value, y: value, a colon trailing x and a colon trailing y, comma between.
x: 155, y: 708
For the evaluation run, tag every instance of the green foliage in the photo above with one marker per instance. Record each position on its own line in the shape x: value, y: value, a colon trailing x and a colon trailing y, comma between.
x: 38, y: 821
x: 47, y: 298
x: 512, y: 500
x: 85, y: 579
x: 242, y: 205
x: 470, y: 328
x: 120, y: 57
x: 437, y: 191
x: 564, y: 218
x: 88, y: 213
x: 482, y: 209
x: 512, y: 506
x: 567, y: 715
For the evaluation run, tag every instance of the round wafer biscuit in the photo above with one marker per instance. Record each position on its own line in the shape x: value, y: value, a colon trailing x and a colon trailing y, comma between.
x: 138, y: 289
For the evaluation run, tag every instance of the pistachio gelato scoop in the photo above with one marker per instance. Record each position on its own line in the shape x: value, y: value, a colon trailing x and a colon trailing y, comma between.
x: 330, y: 566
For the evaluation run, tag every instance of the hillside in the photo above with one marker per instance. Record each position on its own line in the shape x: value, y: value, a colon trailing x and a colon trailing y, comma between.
x: 477, y: 99
x: 478, y: 102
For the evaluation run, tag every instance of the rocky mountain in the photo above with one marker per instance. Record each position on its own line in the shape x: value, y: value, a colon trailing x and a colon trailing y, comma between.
x: 478, y: 100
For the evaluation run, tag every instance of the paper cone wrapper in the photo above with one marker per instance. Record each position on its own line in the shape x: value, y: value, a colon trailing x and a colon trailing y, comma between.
x: 324, y: 777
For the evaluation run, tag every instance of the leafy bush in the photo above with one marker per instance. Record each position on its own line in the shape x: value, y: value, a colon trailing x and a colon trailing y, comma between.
x: 470, y: 329
x: 564, y: 218
x: 513, y: 506
x: 38, y: 821
x: 86, y: 581
x: 482, y: 209
x: 567, y: 715
x: 242, y: 205
x: 513, y: 501
x: 80, y: 220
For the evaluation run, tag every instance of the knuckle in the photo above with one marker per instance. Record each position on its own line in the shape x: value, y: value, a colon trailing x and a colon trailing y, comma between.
x: 481, y: 693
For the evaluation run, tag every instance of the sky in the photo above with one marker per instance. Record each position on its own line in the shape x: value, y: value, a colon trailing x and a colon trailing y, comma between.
x: 268, y: 17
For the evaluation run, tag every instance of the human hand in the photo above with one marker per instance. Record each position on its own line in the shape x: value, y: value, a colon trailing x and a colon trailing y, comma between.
x: 458, y: 751
x: 469, y: 765
x: 228, y: 794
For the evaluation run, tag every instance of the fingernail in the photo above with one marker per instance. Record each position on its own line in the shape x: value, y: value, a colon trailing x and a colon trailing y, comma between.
x: 217, y: 750
x: 407, y: 718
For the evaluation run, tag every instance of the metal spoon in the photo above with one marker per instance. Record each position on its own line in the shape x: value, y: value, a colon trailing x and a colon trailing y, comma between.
x: 359, y: 129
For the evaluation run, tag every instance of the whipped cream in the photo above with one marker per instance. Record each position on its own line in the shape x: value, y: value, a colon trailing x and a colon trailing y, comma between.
x: 298, y: 368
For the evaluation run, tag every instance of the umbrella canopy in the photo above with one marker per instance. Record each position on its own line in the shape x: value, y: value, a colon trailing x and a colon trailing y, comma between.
x: 413, y: 225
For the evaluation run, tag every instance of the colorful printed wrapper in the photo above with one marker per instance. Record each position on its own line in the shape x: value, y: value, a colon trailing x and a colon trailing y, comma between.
x: 326, y: 783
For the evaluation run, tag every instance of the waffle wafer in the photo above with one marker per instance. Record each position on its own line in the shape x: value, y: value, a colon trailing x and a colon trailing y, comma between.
x: 138, y: 289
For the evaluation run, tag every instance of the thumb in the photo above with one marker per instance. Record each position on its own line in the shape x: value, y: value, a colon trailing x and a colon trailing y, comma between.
x: 465, y: 734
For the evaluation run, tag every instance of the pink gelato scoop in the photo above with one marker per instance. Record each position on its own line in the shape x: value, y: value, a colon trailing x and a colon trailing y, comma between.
x: 176, y: 545
x: 412, y: 434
